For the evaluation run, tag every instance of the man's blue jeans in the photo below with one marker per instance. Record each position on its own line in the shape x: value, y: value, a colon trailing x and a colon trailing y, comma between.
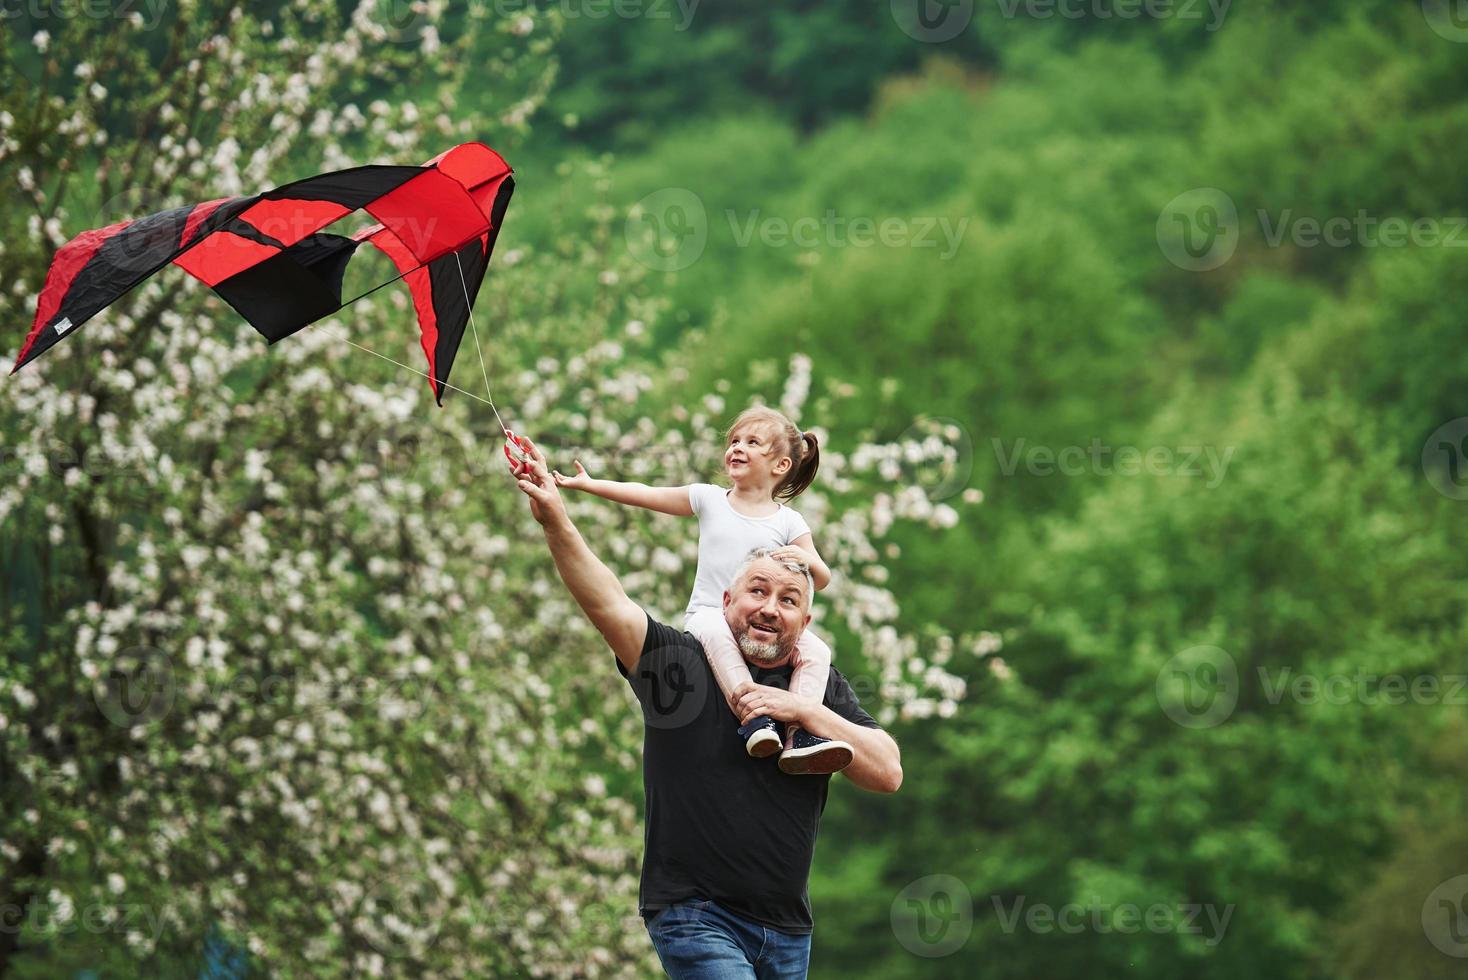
x: 702, y: 941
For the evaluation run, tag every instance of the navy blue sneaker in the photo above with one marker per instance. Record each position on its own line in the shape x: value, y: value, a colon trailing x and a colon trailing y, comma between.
x: 761, y: 737
x: 811, y: 755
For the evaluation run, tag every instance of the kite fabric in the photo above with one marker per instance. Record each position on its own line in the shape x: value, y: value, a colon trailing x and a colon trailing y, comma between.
x: 267, y: 256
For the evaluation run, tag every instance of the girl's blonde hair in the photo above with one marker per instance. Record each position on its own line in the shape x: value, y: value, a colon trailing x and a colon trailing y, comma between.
x: 802, y: 448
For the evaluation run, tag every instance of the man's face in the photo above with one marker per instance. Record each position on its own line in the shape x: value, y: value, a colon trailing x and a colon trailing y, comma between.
x: 766, y: 610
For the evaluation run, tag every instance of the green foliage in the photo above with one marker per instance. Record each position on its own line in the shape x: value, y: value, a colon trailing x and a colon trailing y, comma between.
x: 632, y: 70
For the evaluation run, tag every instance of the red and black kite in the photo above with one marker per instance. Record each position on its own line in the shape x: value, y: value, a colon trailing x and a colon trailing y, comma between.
x: 267, y: 256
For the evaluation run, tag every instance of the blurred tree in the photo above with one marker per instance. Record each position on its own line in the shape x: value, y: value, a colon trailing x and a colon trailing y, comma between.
x: 287, y: 666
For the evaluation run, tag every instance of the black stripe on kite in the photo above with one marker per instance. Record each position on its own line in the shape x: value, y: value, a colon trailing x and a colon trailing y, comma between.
x: 352, y: 189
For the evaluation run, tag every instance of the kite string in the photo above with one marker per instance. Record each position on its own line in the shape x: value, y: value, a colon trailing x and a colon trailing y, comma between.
x: 405, y: 367
x: 484, y: 372
x: 479, y: 350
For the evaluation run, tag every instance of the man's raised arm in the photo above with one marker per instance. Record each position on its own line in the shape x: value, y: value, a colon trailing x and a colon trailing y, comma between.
x: 621, y: 622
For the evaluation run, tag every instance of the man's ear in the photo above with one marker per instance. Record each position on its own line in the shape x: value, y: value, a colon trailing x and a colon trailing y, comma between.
x: 727, y: 598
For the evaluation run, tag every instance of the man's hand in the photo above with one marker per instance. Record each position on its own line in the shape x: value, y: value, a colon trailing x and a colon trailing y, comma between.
x: 535, y: 482
x: 752, y: 700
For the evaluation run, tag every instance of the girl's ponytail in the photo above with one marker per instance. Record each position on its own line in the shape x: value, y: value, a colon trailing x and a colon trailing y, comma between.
x: 806, y: 454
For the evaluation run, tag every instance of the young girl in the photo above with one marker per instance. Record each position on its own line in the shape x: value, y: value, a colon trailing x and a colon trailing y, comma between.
x: 768, y: 460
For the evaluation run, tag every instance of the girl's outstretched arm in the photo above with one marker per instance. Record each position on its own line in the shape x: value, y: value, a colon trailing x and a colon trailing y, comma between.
x: 820, y: 572
x: 664, y: 500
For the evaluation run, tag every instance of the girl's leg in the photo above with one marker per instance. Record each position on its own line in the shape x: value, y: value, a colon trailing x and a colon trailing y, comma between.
x: 812, y: 668
x: 730, y: 671
x: 712, y: 630
x: 807, y: 754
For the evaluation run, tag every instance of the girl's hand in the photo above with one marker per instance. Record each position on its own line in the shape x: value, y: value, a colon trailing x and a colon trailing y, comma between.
x: 581, y: 481
x: 792, y: 553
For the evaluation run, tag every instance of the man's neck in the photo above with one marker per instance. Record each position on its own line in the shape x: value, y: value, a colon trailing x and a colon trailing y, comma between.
x: 784, y: 661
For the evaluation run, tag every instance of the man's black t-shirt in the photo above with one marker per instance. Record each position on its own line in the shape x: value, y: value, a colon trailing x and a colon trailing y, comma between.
x: 721, y: 825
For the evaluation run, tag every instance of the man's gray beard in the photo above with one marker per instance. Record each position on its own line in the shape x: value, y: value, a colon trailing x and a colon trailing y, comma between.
x: 757, y: 650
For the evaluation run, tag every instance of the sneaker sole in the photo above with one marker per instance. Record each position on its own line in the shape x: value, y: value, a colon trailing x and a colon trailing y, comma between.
x: 762, y: 744
x: 819, y: 760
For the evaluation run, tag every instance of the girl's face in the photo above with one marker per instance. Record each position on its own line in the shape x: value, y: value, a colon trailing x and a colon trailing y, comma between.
x: 750, y: 459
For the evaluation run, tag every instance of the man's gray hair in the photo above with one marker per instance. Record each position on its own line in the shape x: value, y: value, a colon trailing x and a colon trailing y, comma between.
x: 794, y: 565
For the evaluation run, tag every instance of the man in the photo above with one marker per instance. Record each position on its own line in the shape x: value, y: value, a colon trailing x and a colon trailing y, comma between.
x: 729, y: 839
